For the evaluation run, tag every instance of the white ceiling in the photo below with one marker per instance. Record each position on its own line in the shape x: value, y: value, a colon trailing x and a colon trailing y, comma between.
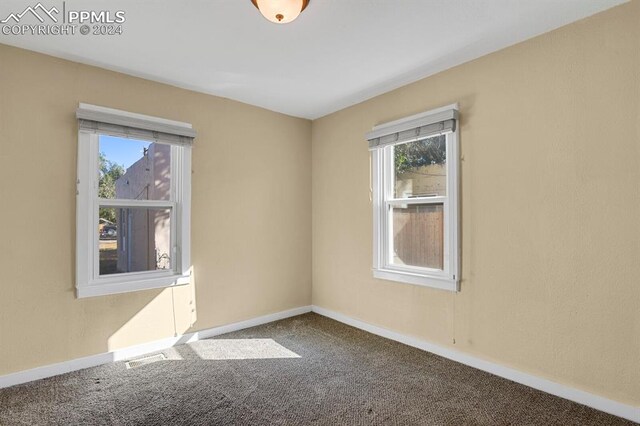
x: 337, y: 53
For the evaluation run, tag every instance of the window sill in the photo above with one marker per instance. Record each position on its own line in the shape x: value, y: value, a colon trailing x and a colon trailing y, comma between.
x: 417, y: 279
x: 128, y: 286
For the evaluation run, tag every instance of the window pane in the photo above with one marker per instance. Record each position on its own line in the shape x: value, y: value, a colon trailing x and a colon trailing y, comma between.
x: 418, y: 238
x: 132, y: 169
x: 138, y: 239
x: 420, y: 168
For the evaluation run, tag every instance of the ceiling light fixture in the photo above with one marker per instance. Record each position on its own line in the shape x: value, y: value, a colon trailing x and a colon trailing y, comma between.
x: 280, y: 11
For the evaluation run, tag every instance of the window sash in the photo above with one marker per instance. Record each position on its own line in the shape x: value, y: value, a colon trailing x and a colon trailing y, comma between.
x: 132, y: 203
x: 389, y: 246
x: 389, y: 202
x: 124, y: 204
x: 417, y: 200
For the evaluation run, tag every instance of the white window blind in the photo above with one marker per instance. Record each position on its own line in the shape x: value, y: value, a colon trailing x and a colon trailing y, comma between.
x: 136, y: 126
x: 413, y: 128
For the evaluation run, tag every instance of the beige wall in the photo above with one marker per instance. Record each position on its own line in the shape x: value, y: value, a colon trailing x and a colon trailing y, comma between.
x: 251, y: 249
x: 550, y: 209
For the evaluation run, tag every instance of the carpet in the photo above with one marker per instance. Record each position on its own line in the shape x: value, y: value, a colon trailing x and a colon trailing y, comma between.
x: 303, y: 370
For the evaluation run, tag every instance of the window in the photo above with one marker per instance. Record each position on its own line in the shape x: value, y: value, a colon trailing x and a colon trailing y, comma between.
x: 133, y: 202
x: 415, y: 199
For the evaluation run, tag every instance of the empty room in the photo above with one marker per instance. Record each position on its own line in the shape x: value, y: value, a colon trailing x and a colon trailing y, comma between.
x: 331, y: 212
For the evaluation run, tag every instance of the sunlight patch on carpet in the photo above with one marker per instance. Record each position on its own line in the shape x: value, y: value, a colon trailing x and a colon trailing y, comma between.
x: 221, y: 349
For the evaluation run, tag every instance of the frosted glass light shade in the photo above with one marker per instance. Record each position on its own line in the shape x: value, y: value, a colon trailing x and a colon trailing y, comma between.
x: 280, y: 11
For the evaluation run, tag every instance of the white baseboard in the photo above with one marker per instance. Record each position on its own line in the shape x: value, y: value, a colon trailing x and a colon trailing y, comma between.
x: 142, y: 349
x: 628, y: 412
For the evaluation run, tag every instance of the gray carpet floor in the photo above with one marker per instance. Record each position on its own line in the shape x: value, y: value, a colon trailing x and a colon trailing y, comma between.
x: 303, y: 370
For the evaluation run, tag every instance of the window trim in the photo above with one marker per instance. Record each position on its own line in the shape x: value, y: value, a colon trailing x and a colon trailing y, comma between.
x: 88, y: 281
x: 382, y: 172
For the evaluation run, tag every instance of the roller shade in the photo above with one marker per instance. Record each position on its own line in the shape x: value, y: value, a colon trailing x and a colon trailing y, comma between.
x: 136, y: 126
x: 415, y: 127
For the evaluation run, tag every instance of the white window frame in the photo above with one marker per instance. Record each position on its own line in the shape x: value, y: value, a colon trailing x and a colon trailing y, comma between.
x: 89, y: 282
x: 382, y: 168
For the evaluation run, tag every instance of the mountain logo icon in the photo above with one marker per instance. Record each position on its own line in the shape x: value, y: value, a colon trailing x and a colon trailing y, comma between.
x: 39, y: 11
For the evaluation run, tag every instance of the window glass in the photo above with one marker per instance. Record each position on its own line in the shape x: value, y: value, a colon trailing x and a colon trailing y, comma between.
x: 420, y: 168
x: 133, y: 169
x: 138, y: 239
x: 418, y: 235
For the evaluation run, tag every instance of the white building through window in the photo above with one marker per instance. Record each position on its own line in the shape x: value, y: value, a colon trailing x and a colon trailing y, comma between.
x: 133, y: 202
x: 415, y: 199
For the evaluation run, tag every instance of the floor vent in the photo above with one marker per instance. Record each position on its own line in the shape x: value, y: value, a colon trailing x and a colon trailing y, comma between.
x: 144, y: 361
